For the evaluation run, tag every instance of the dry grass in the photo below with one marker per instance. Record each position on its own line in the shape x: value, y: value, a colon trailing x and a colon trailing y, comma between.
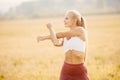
x: 22, y: 58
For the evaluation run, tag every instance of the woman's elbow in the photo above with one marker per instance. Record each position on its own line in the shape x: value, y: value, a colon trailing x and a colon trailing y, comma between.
x: 57, y: 44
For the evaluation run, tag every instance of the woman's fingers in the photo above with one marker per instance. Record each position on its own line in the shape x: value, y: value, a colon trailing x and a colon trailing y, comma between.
x: 40, y: 38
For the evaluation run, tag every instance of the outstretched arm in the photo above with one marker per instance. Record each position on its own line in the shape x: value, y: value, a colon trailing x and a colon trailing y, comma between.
x: 79, y: 31
x: 55, y: 36
x: 48, y: 37
x: 43, y: 37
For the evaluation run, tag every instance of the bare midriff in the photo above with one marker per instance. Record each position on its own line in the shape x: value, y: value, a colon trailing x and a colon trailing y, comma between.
x: 74, y: 57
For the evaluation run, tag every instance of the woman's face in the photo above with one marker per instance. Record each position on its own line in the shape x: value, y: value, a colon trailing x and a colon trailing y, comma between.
x: 68, y: 21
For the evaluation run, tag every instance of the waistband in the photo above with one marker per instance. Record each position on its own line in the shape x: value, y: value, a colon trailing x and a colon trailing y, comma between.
x: 73, y: 64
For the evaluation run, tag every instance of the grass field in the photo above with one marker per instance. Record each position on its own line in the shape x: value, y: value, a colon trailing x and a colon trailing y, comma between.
x: 22, y: 58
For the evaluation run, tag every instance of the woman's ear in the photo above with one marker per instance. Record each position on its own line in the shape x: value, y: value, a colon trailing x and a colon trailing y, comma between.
x: 75, y: 21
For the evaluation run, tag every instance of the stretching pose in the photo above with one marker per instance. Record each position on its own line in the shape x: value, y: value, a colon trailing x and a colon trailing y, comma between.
x: 74, y: 43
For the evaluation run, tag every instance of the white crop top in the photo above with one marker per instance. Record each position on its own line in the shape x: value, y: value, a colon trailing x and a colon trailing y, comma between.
x: 74, y: 43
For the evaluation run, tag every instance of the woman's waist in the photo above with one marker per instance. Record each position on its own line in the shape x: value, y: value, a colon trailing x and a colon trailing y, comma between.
x: 74, y: 52
x: 74, y: 57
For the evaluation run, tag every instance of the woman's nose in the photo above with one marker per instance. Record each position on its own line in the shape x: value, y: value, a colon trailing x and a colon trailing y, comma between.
x: 64, y: 21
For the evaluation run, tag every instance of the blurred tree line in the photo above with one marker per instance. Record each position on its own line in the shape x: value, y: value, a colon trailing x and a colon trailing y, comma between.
x: 55, y: 8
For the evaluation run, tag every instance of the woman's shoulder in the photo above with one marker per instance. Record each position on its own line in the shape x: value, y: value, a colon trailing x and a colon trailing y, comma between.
x: 79, y: 30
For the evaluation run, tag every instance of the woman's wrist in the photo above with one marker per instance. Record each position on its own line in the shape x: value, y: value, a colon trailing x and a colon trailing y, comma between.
x: 47, y: 37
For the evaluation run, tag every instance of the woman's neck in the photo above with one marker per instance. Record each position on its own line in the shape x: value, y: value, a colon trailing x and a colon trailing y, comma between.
x: 72, y: 27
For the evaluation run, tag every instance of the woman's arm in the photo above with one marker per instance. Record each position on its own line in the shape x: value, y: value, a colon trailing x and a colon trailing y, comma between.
x: 54, y: 36
x: 79, y: 31
x: 42, y: 38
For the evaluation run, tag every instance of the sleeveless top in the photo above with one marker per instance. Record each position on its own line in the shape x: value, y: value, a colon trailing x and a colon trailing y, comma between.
x: 74, y: 43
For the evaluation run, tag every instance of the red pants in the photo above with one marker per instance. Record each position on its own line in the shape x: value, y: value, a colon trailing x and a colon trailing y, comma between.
x: 74, y: 72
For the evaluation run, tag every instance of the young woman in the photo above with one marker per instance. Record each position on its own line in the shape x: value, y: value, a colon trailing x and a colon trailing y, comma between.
x: 74, y: 43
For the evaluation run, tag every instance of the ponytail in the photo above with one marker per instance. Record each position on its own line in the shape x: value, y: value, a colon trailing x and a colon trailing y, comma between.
x: 81, y: 22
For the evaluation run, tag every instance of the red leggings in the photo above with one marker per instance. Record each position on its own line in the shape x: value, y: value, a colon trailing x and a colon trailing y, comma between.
x: 74, y: 72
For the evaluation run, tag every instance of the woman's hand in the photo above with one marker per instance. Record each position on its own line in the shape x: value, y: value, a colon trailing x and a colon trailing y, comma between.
x: 40, y: 38
x: 49, y: 25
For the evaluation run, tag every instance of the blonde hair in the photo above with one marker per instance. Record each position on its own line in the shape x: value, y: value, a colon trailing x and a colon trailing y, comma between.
x: 76, y: 15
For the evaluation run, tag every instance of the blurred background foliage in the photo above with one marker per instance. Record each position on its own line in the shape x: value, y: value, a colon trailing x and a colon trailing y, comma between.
x: 56, y: 8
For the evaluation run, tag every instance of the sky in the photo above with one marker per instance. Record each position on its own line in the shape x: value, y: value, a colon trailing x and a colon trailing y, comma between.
x: 6, y: 4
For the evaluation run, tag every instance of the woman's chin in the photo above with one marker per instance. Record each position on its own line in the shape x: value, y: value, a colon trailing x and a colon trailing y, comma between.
x: 66, y: 26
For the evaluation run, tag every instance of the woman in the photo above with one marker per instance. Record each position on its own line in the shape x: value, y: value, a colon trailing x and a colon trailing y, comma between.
x: 74, y: 42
